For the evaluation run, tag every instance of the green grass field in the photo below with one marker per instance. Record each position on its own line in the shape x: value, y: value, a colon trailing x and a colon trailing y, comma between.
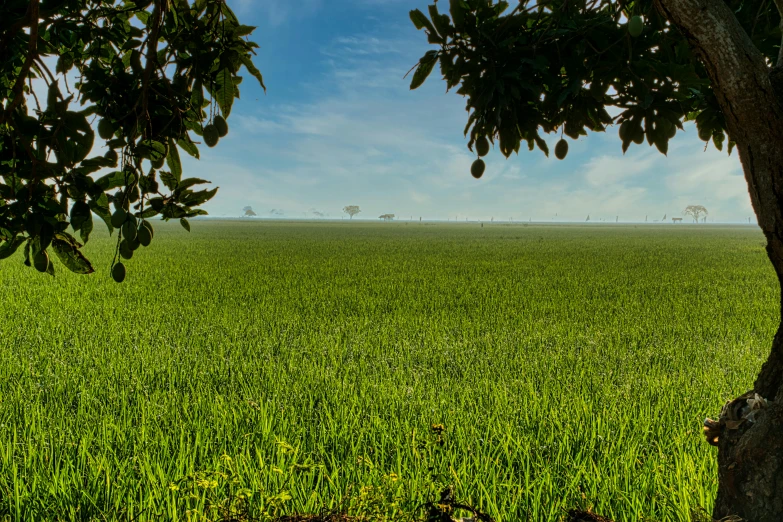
x: 287, y: 367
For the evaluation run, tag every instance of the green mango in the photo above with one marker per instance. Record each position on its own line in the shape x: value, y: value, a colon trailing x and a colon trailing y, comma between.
x: 118, y: 272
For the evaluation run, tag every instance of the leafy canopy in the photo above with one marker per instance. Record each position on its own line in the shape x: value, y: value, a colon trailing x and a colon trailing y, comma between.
x: 557, y: 66
x: 695, y: 211
x: 352, y: 210
x: 153, y: 75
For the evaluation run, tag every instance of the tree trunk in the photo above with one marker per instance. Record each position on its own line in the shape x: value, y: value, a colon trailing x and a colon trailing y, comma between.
x: 750, y: 450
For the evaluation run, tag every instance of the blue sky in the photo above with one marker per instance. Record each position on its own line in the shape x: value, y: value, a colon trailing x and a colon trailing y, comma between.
x: 339, y: 126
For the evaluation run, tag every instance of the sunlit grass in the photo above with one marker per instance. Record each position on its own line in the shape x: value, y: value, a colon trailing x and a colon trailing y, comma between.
x: 294, y: 364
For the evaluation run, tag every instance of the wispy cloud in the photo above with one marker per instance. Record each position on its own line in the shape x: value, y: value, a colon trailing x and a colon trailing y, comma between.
x: 718, y: 178
x: 418, y: 197
x: 608, y: 169
x: 257, y: 125
x: 277, y: 12
x: 360, y: 46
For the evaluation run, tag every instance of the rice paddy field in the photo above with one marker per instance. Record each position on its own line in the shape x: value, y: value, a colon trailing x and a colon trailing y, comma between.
x: 270, y: 368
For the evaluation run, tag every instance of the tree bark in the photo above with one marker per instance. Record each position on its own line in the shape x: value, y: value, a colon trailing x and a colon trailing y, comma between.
x: 750, y: 455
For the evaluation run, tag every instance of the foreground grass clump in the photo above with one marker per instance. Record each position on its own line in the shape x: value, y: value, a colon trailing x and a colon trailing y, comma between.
x: 277, y: 368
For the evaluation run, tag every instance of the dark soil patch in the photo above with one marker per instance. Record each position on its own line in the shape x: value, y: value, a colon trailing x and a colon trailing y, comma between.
x: 573, y: 516
x: 331, y: 517
x: 585, y: 516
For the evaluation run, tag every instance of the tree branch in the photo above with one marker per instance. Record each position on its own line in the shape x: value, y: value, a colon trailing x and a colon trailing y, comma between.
x: 42, y: 66
x: 152, y: 55
x: 779, y: 5
x: 32, y: 53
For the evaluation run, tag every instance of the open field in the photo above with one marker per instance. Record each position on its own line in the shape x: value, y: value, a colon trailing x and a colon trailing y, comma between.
x: 295, y: 364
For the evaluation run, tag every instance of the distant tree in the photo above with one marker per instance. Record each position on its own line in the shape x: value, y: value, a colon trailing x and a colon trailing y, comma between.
x: 696, y: 212
x: 386, y: 217
x: 351, y: 210
x: 276, y: 212
x: 557, y: 66
x: 249, y: 212
x: 152, y: 74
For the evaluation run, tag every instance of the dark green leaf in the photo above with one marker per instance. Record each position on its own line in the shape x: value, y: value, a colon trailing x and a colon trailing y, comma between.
x: 542, y: 144
x: 169, y: 180
x: 419, y: 19
x: 661, y: 143
x: 248, y: 63
x: 80, y: 213
x: 86, y: 229
x: 78, y: 134
x: 44, y: 238
x: 192, y: 199
x: 424, y: 69
x: 458, y: 10
x: 188, y: 146
x: 67, y: 250
x: 173, y: 161
x: 102, y: 212
x: 441, y: 22
x: 189, y: 182
x: 7, y: 248
x: 151, y: 149
x: 717, y: 140
x: 64, y: 64
x: 156, y: 203
x: 244, y: 30
x: 225, y: 92
x: 113, y: 180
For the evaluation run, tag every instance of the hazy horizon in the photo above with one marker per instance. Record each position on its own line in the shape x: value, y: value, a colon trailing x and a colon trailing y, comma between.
x: 409, y: 219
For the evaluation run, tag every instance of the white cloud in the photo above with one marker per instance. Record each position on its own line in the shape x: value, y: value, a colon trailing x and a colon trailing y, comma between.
x: 608, y: 169
x: 717, y: 178
x: 262, y: 189
x: 714, y: 180
x: 360, y: 46
x: 277, y: 12
x: 257, y: 125
x: 418, y: 197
